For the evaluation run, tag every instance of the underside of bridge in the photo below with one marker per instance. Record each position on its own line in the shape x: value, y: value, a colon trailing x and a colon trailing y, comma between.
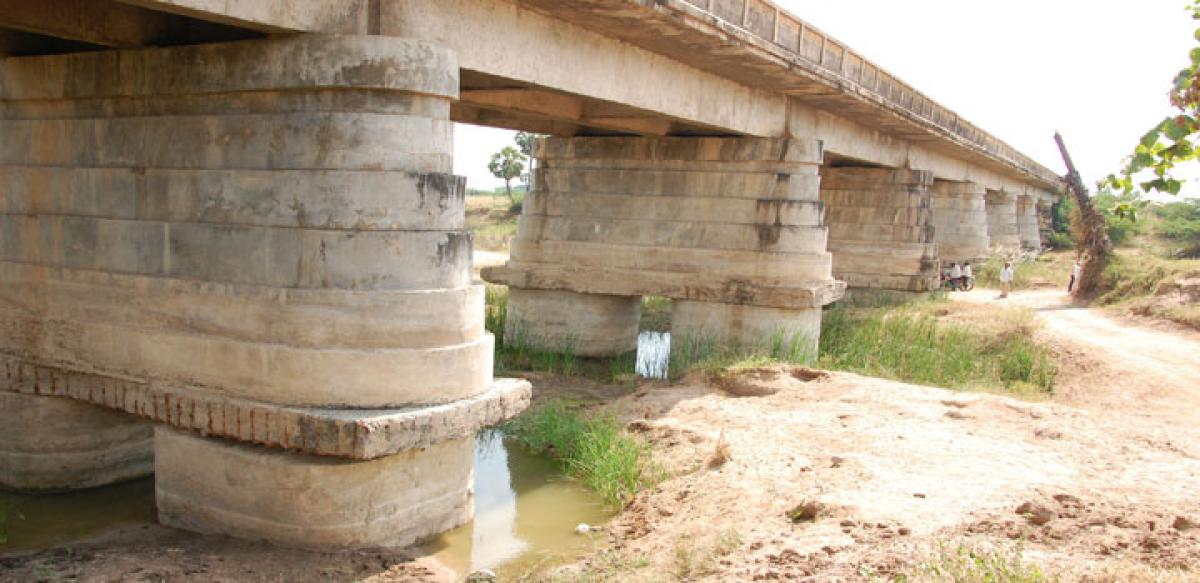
x: 232, y: 251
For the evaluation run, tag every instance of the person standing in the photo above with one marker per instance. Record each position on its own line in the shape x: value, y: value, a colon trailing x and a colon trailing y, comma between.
x: 1006, y: 277
x: 1075, y: 271
x: 968, y: 274
x: 956, y: 275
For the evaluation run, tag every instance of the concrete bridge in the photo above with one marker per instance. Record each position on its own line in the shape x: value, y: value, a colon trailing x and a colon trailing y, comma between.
x: 232, y: 251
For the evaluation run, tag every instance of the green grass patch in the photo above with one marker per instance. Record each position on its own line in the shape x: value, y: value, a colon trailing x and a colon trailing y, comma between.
x: 967, y: 565
x: 909, y: 345
x: 716, y: 358
x: 590, y: 446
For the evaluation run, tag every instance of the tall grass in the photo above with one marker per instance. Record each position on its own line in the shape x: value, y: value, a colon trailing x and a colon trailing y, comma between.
x: 715, y: 357
x: 913, y: 347
x: 592, y: 448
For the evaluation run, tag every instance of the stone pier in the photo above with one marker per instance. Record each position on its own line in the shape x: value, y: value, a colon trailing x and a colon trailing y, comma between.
x: 881, y: 228
x: 1003, y: 232
x: 1028, y: 225
x: 960, y: 223
x: 730, y: 228
x: 256, y: 242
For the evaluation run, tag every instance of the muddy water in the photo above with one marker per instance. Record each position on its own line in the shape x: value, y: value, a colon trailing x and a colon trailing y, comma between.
x: 525, y: 514
x: 40, y: 521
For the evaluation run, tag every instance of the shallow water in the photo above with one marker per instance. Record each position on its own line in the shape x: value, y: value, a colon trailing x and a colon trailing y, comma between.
x: 40, y: 521
x: 525, y: 514
x: 653, y: 354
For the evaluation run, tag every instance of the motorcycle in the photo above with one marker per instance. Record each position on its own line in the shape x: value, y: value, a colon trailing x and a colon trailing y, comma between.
x: 964, y: 284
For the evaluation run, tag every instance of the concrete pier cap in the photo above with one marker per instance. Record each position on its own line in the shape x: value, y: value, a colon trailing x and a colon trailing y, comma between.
x: 259, y: 246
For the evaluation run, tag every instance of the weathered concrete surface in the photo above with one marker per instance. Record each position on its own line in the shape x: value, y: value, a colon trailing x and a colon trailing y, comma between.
x: 700, y: 326
x: 588, y: 325
x: 960, y: 223
x: 1028, y: 224
x: 257, y: 233
x: 48, y: 443
x: 347, y: 433
x: 260, y: 241
x: 216, y: 486
x: 1003, y: 231
x: 881, y: 227
x: 722, y: 221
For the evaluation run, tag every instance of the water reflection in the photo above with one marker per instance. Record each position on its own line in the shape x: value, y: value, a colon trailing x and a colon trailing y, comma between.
x: 41, y: 521
x: 525, y: 513
x: 653, y: 354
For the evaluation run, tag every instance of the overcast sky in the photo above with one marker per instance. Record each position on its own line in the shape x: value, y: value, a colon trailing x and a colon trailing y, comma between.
x: 1096, y: 70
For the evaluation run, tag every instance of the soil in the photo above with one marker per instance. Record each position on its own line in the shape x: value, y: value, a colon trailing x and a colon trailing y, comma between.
x: 791, y: 474
x: 843, y: 477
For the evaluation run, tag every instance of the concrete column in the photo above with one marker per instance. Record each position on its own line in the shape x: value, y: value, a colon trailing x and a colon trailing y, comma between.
x: 235, y: 238
x: 1028, y: 226
x: 48, y: 443
x: 1002, y: 221
x: 722, y: 225
x: 960, y: 226
x: 881, y: 228
x: 588, y: 325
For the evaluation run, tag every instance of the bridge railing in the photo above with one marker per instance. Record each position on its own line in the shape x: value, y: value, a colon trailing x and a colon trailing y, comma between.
x: 771, y: 23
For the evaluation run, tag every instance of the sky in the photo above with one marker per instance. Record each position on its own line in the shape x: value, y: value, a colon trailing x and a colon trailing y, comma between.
x: 1096, y: 70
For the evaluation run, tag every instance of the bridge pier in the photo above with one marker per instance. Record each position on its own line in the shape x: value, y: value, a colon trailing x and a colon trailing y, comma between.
x: 256, y: 242
x: 1002, y: 221
x: 1028, y: 225
x: 960, y: 222
x: 48, y: 443
x: 881, y: 228
x: 728, y: 227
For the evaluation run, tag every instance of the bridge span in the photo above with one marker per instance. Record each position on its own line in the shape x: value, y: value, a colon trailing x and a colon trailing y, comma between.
x: 233, y: 252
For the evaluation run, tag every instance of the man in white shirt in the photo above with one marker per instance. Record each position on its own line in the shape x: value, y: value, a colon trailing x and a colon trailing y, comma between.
x: 956, y: 275
x: 1075, y: 271
x: 1006, y: 277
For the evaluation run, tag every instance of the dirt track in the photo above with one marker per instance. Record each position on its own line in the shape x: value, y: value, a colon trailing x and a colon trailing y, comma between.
x: 1105, y: 472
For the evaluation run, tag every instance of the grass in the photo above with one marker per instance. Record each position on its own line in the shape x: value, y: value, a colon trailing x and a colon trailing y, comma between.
x: 493, y: 221
x: 715, y: 358
x: 590, y: 447
x: 693, y: 560
x: 970, y: 565
x: 910, y: 344
x: 1047, y: 270
x: 656, y: 314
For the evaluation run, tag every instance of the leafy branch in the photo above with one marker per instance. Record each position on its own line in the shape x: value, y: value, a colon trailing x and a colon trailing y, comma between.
x: 1174, y: 140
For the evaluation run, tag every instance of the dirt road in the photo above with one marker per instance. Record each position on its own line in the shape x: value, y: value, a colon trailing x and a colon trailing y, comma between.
x: 1098, y: 483
x: 1115, y: 364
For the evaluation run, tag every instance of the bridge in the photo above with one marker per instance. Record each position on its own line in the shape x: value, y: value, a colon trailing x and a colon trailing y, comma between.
x: 233, y: 252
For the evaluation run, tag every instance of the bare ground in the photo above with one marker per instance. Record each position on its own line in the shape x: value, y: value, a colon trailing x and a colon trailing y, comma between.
x: 1098, y: 483
x: 838, y: 477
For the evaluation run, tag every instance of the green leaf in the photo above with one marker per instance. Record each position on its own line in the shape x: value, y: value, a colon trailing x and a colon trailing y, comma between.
x: 1151, y: 137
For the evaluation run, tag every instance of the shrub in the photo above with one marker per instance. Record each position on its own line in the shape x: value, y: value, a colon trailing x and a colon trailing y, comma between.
x: 593, y: 449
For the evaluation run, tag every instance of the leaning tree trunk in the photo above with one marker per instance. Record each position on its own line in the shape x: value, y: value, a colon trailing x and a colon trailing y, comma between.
x: 1092, y: 240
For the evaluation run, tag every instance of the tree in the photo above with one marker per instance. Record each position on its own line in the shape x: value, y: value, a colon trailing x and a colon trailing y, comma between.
x: 507, y: 164
x: 524, y: 142
x: 1172, y: 141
